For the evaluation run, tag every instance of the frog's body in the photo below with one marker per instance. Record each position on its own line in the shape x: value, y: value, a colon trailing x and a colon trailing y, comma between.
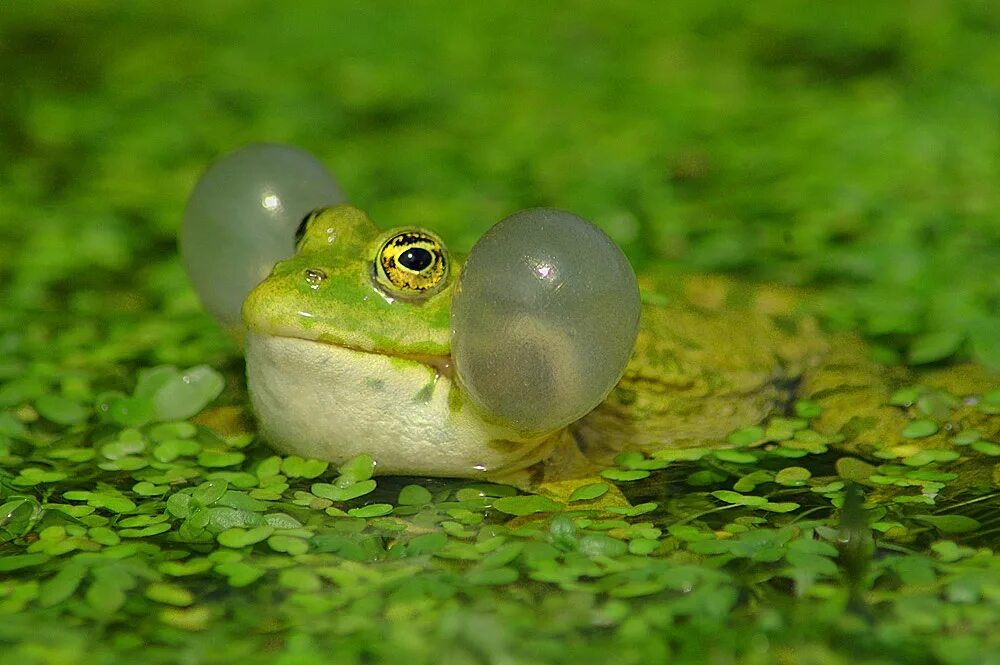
x: 342, y: 359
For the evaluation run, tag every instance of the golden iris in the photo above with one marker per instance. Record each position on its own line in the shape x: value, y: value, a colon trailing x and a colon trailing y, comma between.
x: 412, y: 263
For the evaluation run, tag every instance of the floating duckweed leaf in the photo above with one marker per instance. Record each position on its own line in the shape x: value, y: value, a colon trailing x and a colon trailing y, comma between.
x: 357, y: 469
x: 288, y: 544
x: 241, y: 574
x: 807, y: 409
x: 334, y: 493
x: 735, y: 456
x: 990, y: 402
x: 642, y: 546
x: 169, y: 594
x: 270, y: 466
x: 986, y: 448
x: 171, y: 449
x: 704, y: 478
x: 60, y: 410
x: 740, y: 499
x: 934, y: 346
x: 748, y: 482
x: 215, y: 459
x: 930, y: 455
x: 31, y: 476
x: 11, y: 426
x: 19, y: 561
x: 300, y: 579
x: 178, y: 395
x: 918, y: 429
x: 191, y: 619
x: 504, y: 554
x: 145, y: 488
x: 172, y: 430
x: 681, y: 454
x: 589, y: 492
x: 281, y: 521
x: 145, y: 532
x: 949, y: 551
x: 597, y: 544
x: 195, y: 566
x: 780, y: 506
x: 492, y: 576
x: 950, y: 523
x: 21, y: 390
x: 297, y: 467
x: 904, y: 397
x: 746, y: 436
x: 238, y: 537
x: 526, y: 505
x: 371, y: 510
x: 414, y: 495
x: 624, y: 475
x: 62, y: 585
x: 210, y: 491
x: 851, y: 468
x: 966, y: 437
x: 130, y: 411
x: 633, y: 511
x: 792, y: 476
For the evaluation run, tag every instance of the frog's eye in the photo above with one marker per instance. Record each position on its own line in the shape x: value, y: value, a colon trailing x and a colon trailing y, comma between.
x: 544, y: 318
x: 412, y: 263
x: 241, y: 219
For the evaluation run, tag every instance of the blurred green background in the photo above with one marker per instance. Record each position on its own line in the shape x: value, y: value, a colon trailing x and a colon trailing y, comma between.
x: 849, y: 147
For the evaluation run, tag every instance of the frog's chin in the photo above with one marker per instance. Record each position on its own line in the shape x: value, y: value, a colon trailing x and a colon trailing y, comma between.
x: 331, y: 402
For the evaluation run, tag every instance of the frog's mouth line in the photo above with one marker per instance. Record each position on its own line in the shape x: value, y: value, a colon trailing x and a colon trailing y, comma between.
x: 442, y: 365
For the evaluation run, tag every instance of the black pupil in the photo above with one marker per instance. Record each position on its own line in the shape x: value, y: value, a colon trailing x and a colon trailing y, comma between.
x: 415, y: 258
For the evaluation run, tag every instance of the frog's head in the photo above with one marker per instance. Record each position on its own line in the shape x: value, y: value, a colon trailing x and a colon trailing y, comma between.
x: 384, y: 342
x: 351, y: 285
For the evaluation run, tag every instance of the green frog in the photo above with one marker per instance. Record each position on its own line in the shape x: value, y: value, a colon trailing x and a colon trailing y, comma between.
x: 532, y: 361
x: 346, y: 356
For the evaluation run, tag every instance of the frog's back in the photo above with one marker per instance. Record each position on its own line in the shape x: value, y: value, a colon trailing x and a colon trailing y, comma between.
x: 712, y: 355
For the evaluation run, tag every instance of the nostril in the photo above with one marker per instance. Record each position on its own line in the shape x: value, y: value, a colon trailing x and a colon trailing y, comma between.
x: 315, y: 277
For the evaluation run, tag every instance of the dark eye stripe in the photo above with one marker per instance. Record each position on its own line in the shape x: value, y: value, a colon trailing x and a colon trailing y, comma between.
x: 300, y: 232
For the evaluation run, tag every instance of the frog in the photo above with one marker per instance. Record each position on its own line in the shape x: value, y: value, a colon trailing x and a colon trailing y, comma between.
x: 349, y: 350
x: 532, y: 360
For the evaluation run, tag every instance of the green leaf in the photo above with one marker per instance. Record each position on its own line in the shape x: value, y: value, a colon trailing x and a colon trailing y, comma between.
x: 334, y: 493
x: 210, y: 491
x: 735, y: 456
x: 624, y: 475
x: 935, y: 346
x: 526, y: 505
x: 919, y: 429
x: 288, y: 544
x: 20, y: 561
x: 215, y: 459
x: 169, y: 594
x: 746, y: 436
x: 62, y: 585
x: 371, y: 510
x: 61, y: 410
x: 238, y: 537
x: 949, y: 523
x: 414, y: 495
x: 357, y: 469
x: 180, y: 395
x: 589, y: 492
x: 740, y: 499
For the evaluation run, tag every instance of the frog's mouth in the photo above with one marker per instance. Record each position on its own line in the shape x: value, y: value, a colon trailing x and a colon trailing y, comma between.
x: 442, y: 365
